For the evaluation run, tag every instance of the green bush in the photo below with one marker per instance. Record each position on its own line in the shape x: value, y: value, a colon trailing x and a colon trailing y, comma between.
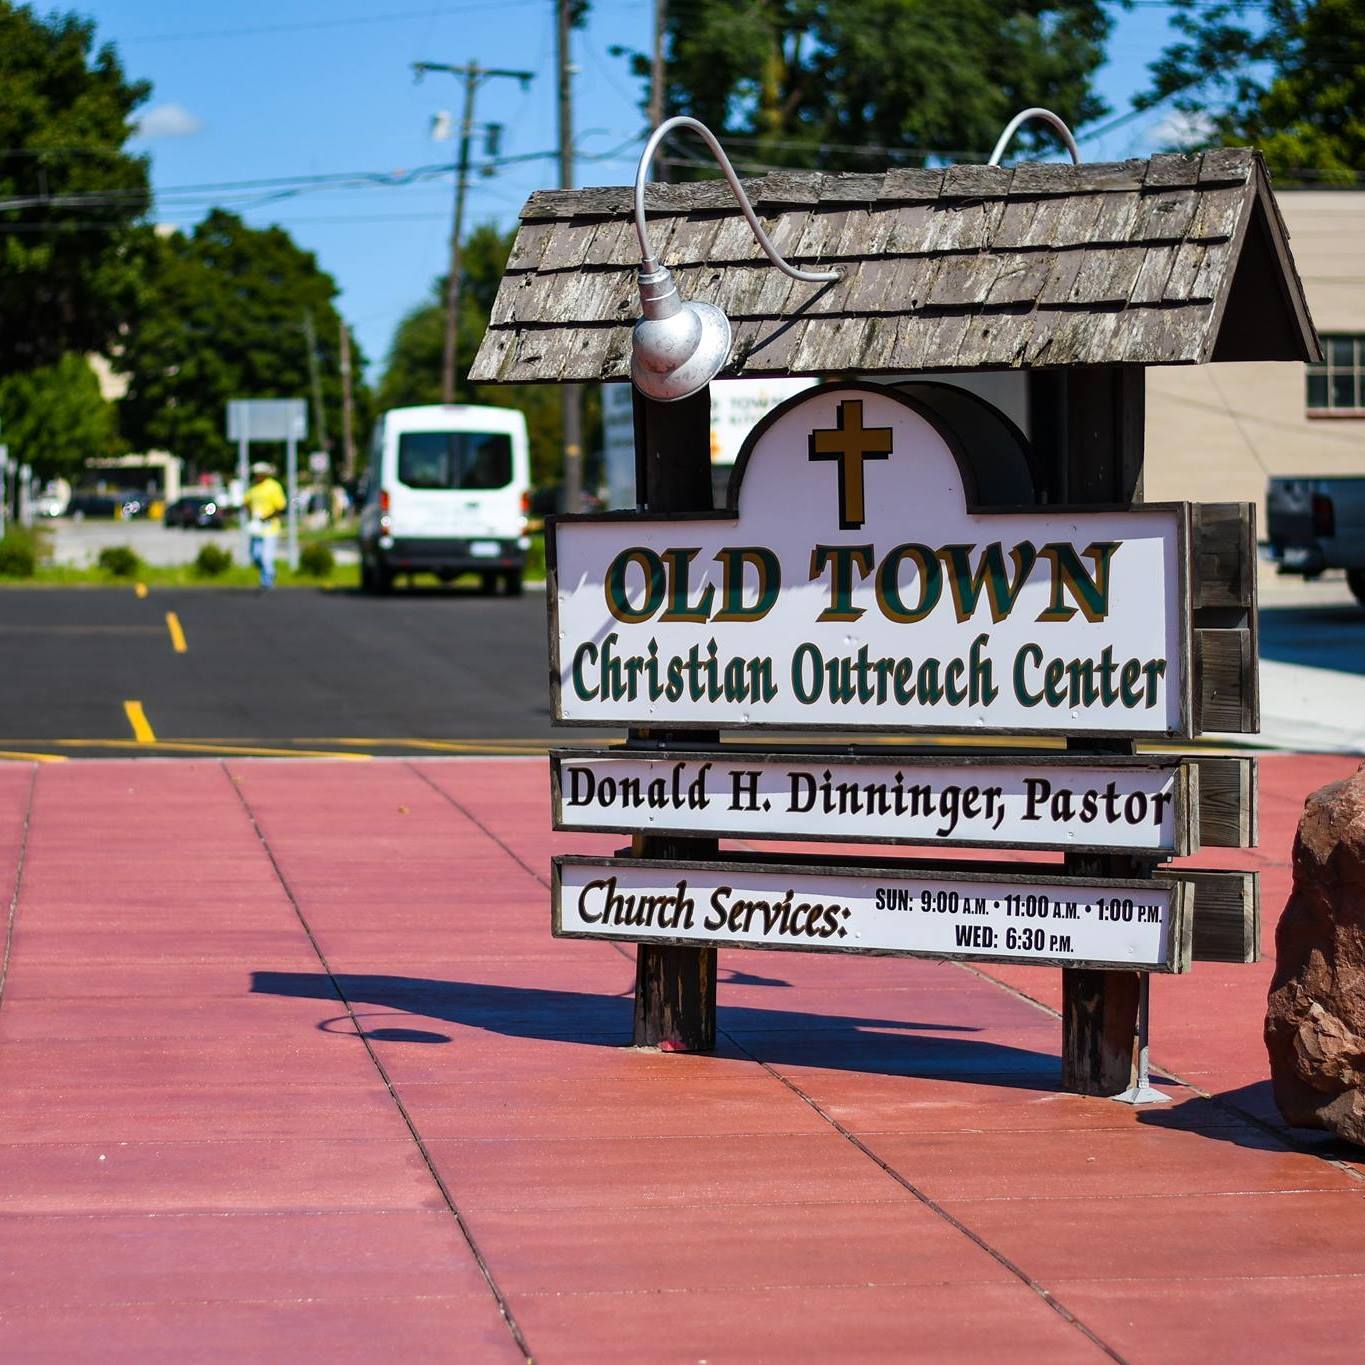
x: 317, y: 561
x: 119, y: 560
x: 212, y: 561
x: 18, y: 554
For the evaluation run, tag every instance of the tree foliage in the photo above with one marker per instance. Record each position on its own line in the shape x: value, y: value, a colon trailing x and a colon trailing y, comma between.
x: 863, y: 84
x: 223, y: 318
x: 56, y: 418
x: 412, y: 374
x: 1292, y: 82
x: 67, y: 269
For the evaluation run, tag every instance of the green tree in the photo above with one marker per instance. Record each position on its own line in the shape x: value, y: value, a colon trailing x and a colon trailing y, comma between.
x: 223, y: 318
x: 70, y: 196
x: 55, y: 417
x: 1292, y: 83
x: 412, y: 374
x: 870, y: 83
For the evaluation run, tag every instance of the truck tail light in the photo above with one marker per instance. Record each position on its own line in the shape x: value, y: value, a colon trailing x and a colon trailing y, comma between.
x: 526, y: 502
x: 383, y: 499
x: 1324, y: 515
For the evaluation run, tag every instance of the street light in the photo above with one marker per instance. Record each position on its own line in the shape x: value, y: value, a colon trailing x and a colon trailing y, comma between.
x: 678, y: 348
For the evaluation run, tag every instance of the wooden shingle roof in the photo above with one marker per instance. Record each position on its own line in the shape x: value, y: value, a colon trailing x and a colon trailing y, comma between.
x: 1176, y: 260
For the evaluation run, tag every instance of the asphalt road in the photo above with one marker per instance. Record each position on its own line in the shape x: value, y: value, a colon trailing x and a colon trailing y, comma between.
x: 97, y: 671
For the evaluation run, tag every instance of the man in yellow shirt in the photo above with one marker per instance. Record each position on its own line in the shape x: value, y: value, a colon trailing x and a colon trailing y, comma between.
x: 264, y: 501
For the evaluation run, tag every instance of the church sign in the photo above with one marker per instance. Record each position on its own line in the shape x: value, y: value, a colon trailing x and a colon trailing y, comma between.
x: 998, y: 915
x: 852, y: 584
x: 1057, y: 802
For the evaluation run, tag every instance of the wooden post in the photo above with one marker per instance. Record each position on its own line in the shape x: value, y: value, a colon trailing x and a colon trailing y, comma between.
x: 675, y: 988
x: 1087, y: 426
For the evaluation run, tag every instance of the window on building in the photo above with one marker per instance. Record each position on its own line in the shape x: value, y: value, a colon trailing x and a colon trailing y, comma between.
x: 1337, y: 385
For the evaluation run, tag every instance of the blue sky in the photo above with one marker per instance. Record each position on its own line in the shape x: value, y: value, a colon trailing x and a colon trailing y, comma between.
x: 265, y: 89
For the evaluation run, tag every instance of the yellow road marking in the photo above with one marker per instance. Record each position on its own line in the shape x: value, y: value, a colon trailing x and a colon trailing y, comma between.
x: 177, y: 634
x: 137, y: 718
x: 208, y: 747
x: 36, y: 758
x: 461, y: 745
x: 140, y: 589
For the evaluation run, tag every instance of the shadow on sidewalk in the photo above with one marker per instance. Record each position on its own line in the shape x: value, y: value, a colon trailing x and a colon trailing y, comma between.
x: 1247, y: 1117
x: 894, y: 1047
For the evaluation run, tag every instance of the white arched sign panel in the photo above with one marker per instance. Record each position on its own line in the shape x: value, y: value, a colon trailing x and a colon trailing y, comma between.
x: 851, y: 586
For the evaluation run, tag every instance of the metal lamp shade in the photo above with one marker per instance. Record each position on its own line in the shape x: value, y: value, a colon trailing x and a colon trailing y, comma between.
x: 678, y: 348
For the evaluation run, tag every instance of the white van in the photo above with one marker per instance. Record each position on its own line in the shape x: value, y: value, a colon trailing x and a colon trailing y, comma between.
x: 448, y: 492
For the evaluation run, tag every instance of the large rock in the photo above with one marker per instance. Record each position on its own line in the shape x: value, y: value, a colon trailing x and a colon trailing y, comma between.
x: 1315, y: 1018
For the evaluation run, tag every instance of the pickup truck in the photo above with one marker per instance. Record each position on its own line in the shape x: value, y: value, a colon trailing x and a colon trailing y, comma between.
x: 1317, y: 524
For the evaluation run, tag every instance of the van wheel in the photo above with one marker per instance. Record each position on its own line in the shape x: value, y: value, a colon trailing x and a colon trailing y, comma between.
x: 378, y: 579
x: 488, y: 584
x: 1355, y: 580
x: 511, y: 582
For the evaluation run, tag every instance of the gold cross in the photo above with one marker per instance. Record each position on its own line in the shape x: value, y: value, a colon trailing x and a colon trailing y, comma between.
x: 851, y: 443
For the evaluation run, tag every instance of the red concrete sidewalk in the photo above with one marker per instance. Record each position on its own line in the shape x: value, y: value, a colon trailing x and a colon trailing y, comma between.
x: 291, y: 1068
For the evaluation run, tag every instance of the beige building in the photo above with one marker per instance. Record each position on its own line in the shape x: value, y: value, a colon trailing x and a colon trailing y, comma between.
x: 1216, y: 432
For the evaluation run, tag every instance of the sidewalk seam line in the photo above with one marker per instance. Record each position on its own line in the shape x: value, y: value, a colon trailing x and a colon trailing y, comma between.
x: 13, y: 912
x: 935, y: 1207
x: 498, y: 1298
x: 474, y: 820
x: 619, y: 948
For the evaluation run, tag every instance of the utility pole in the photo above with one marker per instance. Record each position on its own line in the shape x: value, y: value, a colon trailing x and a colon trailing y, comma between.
x: 315, y: 380
x: 347, y: 404
x: 572, y: 396
x: 474, y: 76
x: 656, y: 67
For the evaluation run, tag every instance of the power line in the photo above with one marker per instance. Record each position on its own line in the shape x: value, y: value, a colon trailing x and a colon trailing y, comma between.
x: 306, y: 25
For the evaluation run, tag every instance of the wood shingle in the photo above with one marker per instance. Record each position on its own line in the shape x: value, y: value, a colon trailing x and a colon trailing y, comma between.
x: 973, y: 267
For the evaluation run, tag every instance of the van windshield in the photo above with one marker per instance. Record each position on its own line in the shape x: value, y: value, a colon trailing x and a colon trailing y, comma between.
x: 455, y: 459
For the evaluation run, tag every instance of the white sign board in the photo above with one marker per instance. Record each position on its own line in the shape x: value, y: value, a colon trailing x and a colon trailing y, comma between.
x: 267, y: 419
x: 1093, y: 805
x: 995, y: 917
x: 736, y: 405
x: 853, y: 587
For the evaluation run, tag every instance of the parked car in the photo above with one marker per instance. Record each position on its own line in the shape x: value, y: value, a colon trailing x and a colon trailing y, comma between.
x: 96, y: 504
x: 1316, y: 524
x: 448, y: 493
x: 196, y: 509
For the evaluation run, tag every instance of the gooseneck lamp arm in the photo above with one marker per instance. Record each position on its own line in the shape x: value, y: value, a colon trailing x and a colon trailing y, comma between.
x: 677, y: 347
x: 1044, y: 116
x: 648, y: 261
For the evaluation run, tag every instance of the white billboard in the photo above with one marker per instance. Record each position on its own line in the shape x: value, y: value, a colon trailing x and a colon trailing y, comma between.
x: 736, y: 407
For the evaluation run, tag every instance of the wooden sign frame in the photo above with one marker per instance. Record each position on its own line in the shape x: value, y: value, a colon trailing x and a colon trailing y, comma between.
x: 1179, y: 940
x: 1187, y: 723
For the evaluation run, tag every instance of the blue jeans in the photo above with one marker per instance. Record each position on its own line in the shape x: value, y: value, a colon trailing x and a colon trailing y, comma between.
x: 263, y: 557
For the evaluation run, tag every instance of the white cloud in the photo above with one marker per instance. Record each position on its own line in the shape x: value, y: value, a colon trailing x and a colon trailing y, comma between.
x: 169, y: 120
x: 1182, y: 130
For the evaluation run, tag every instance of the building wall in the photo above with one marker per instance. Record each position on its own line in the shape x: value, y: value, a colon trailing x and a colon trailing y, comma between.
x: 1215, y: 433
